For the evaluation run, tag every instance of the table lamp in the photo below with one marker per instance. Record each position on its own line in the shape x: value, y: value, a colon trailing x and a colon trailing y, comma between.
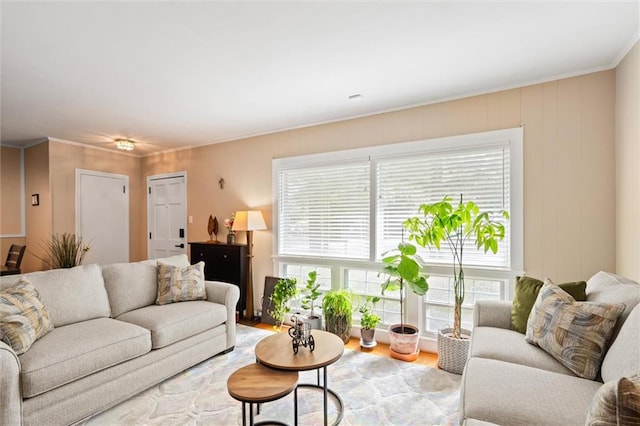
x: 249, y: 221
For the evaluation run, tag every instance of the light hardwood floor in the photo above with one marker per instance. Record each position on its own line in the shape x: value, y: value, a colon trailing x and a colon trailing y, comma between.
x: 426, y: 358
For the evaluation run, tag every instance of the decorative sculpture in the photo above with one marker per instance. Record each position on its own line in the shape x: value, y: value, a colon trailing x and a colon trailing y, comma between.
x: 215, y: 228
x: 300, y: 334
x: 210, y: 227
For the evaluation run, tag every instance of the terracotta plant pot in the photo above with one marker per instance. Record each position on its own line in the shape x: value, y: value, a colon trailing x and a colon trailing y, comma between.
x: 403, y: 341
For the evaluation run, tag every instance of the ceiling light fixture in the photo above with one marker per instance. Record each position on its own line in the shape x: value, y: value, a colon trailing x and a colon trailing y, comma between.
x: 125, y: 144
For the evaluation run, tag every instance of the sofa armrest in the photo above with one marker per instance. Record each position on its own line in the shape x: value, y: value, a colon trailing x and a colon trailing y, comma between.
x: 228, y: 295
x: 492, y: 313
x: 10, y: 395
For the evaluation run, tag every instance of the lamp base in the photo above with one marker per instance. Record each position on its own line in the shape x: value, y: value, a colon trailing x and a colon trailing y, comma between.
x: 249, y: 321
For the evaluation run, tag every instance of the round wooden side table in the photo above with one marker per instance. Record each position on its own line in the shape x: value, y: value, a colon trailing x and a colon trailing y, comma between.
x: 256, y: 383
x: 275, y: 351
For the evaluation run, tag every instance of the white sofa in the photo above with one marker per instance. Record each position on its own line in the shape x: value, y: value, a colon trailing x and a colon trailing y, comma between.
x: 508, y: 381
x: 110, y: 340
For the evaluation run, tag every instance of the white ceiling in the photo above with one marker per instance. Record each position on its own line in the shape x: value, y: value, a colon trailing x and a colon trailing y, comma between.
x: 178, y: 74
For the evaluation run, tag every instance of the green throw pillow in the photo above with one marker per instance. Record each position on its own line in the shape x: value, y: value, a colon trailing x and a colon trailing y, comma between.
x: 526, y: 292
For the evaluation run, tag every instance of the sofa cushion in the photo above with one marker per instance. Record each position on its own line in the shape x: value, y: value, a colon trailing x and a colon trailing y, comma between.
x: 525, y: 294
x: 23, y: 317
x: 512, y: 394
x: 77, y: 350
x: 575, y: 333
x: 180, y: 284
x: 72, y: 295
x: 510, y: 346
x: 611, y: 288
x: 617, y: 402
x: 623, y: 357
x: 130, y: 285
x: 176, y: 321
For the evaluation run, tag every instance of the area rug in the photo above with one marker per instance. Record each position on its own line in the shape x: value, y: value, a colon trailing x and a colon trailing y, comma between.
x: 375, y: 390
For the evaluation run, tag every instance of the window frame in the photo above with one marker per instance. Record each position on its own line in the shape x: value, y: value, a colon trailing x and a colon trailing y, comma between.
x: 512, y: 137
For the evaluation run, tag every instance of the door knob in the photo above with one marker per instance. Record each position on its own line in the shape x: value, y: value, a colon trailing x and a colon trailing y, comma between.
x: 179, y: 245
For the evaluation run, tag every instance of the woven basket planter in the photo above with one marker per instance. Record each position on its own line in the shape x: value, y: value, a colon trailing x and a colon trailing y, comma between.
x: 453, y: 353
x: 338, y: 325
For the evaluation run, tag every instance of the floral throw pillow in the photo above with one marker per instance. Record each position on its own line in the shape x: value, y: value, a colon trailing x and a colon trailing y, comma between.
x: 575, y: 333
x: 180, y: 284
x: 23, y: 317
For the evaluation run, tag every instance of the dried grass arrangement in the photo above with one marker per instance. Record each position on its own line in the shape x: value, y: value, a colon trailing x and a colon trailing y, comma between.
x: 64, y: 251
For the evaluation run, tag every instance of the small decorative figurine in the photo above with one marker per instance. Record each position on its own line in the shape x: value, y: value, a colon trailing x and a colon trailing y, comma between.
x: 300, y: 334
x: 210, y: 228
x: 215, y: 228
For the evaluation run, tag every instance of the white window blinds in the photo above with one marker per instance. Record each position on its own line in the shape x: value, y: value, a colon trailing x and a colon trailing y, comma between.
x: 324, y: 211
x: 351, y: 204
x: 404, y: 183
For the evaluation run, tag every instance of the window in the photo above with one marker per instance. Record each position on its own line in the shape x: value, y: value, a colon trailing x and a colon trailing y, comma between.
x: 342, y: 210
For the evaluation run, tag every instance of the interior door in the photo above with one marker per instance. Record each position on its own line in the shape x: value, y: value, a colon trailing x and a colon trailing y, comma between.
x: 167, y: 215
x: 102, y: 215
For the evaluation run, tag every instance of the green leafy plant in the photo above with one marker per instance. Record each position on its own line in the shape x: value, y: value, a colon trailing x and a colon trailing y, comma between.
x: 369, y: 320
x: 284, y: 290
x: 311, y: 293
x: 404, y: 266
x: 337, y: 307
x: 444, y: 222
x: 64, y: 251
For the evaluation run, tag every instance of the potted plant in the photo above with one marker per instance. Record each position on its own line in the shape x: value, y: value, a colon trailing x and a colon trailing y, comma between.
x: 337, y: 307
x: 311, y: 294
x: 453, y: 225
x: 368, y: 321
x: 284, y: 290
x: 64, y: 251
x: 404, y: 266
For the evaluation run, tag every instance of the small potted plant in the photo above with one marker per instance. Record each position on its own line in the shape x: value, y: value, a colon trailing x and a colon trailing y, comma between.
x: 337, y: 307
x: 311, y: 294
x: 284, y: 290
x: 403, y: 266
x: 368, y: 321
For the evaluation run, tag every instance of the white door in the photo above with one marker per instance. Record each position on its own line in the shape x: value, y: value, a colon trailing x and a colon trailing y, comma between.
x: 167, y: 215
x: 102, y: 215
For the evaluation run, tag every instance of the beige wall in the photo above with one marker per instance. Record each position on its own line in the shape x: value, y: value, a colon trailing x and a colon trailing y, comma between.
x: 569, y: 173
x: 65, y: 158
x: 10, y: 200
x: 36, y: 165
x: 627, y: 127
x: 10, y: 191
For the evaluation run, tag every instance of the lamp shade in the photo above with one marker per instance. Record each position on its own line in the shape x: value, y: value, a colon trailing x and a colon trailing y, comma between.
x: 251, y: 220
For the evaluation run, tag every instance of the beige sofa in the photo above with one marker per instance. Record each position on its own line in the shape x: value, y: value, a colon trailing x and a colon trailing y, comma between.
x: 110, y: 340
x: 508, y: 381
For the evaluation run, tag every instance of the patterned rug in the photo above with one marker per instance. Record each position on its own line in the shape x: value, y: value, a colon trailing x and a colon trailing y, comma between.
x: 375, y: 390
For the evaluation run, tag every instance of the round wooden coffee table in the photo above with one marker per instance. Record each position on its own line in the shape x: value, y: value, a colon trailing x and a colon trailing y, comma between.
x: 276, y: 351
x: 255, y: 384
